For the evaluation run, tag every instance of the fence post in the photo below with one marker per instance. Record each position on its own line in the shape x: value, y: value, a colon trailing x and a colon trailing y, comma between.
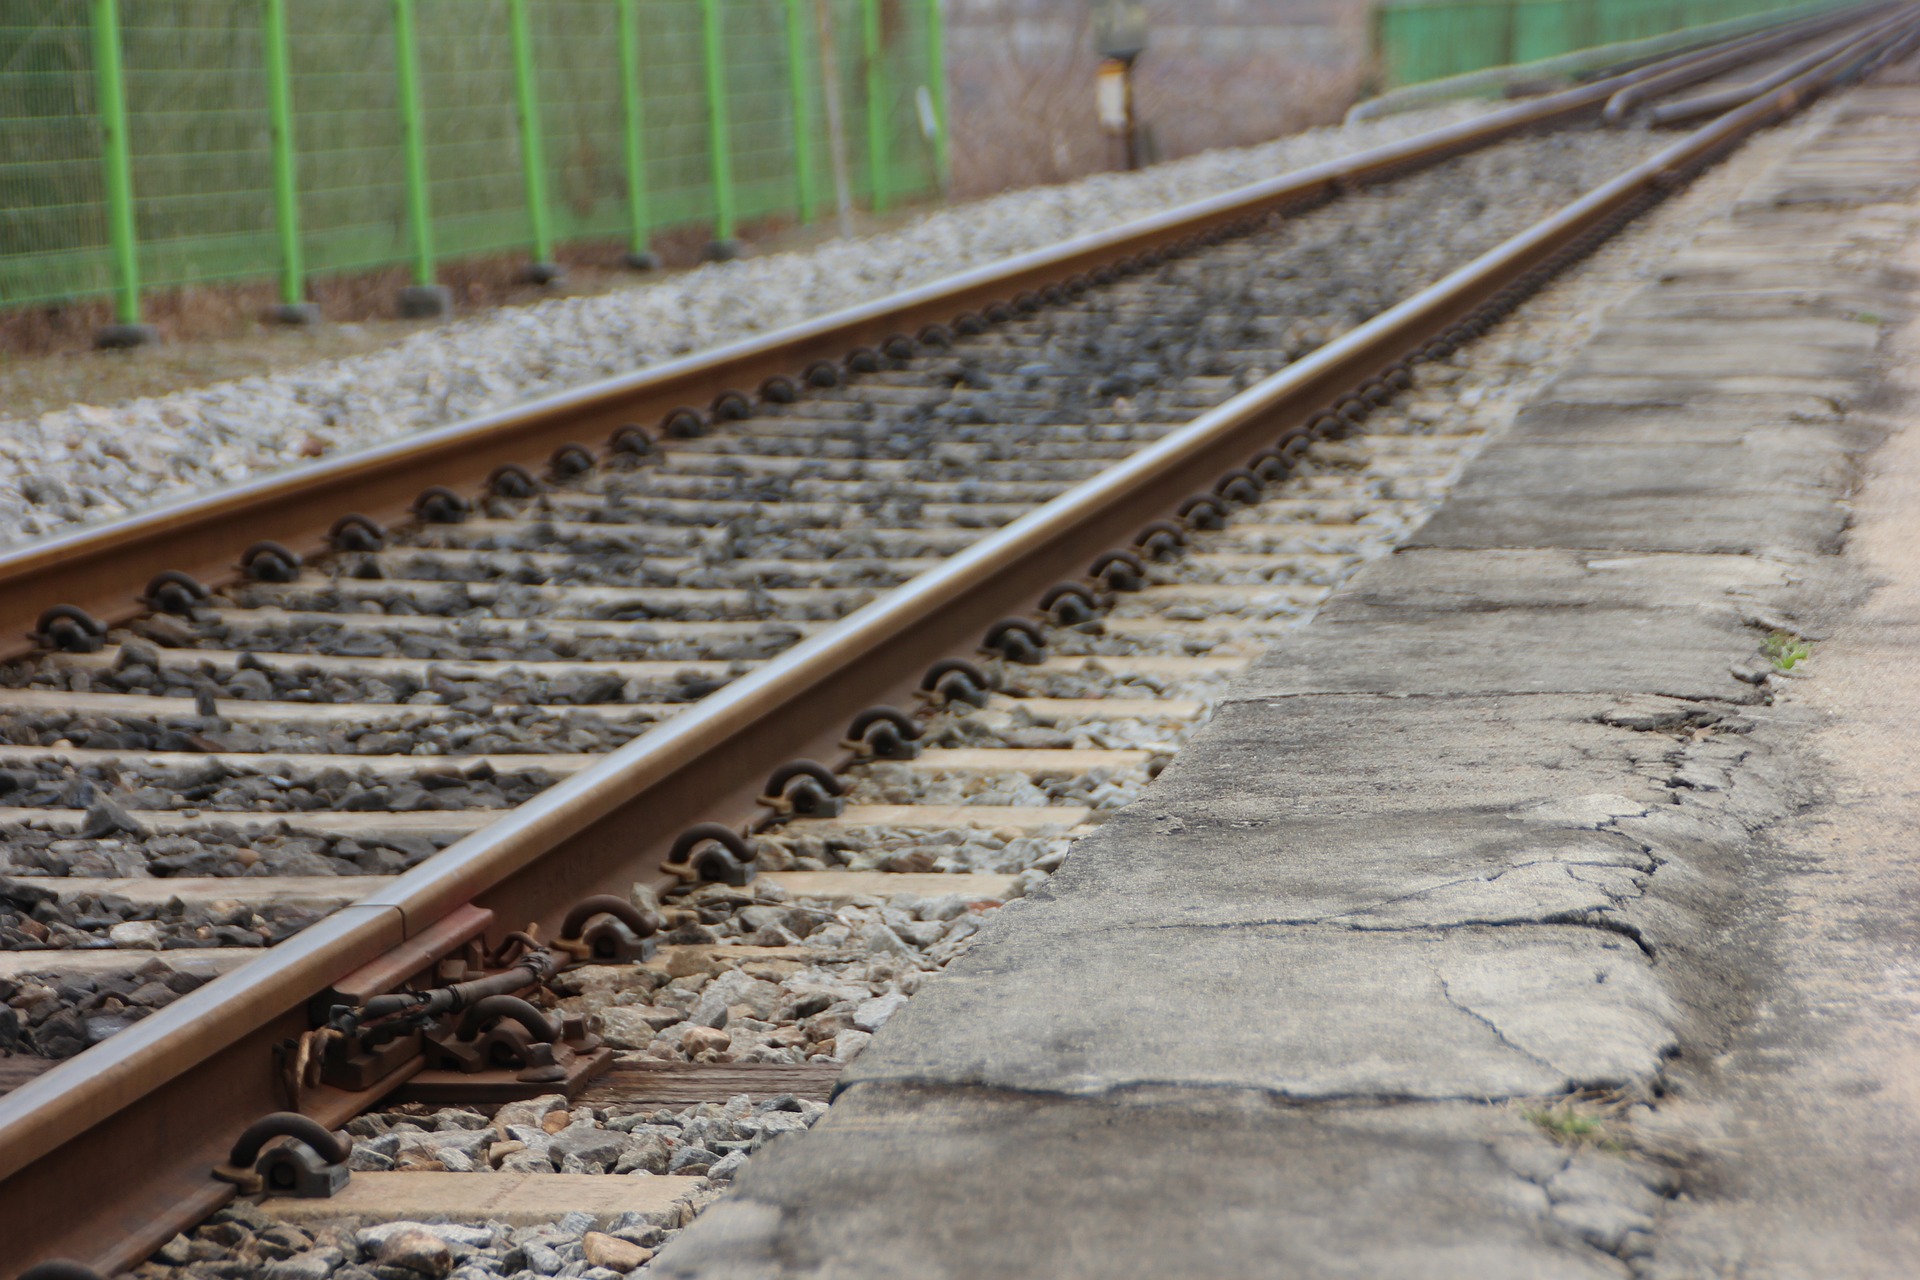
x: 937, y: 86
x: 798, y: 83
x: 294, y: 307
x: 424, y: 297
x: 724, y: 245
x: 533, y: 161
x: 877, y: 151
x: 639, y: 256
x: 110, y: 86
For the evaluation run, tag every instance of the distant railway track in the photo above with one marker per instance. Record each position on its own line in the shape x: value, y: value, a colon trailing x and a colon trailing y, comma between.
x: 514, y: 666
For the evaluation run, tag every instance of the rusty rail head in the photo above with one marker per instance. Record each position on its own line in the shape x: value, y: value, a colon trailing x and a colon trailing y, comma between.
x: 100, y: 1157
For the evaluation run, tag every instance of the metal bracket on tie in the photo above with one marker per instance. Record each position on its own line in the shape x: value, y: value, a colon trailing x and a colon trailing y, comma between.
x: 883, y: 733
x: 607, y: 930
x: 1160, y: 539
x: 955, y: 680
x: 1070, y: 604
x: 804, y: 789
x: 269, y: 561
x: 355, y: 532
x: 174, y: 592
x: 711, y: 851
x: 70, y: 629
x: 1119, y: 571
x: 1016, y: 640
x: 310, y: 1165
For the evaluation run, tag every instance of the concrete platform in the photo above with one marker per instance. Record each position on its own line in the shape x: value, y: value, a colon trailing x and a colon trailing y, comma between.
x: 1485, y: 846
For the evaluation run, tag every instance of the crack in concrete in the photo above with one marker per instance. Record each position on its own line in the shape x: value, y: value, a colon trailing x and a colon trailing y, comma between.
x: 1446, y: 993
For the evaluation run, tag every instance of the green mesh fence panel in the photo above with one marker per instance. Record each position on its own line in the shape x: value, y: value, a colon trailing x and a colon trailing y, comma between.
x: 576, y: 49
x: 903, y: 26
x: 346, y: 123
x: 477, y: 191
x: 203, y: 203
x: 1429, y: 39
x: 680, y: 186
x: 759, y: 105
x: 200, y: 132
x: 53, y: 230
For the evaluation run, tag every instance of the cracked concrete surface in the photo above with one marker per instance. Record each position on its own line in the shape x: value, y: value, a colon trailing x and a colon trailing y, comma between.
x: 1508, y: 827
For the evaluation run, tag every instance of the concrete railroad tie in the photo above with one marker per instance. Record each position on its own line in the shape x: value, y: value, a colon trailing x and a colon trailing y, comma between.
x: 1455, y: 946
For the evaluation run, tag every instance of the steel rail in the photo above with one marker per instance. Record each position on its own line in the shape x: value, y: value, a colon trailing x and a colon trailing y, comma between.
x: 1631, y: 97
x: 1706, y: 104
x: 107, y: 1154
x: 103, y: 569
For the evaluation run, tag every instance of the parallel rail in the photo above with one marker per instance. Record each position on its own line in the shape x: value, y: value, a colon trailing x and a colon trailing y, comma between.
x: 105, y: 1156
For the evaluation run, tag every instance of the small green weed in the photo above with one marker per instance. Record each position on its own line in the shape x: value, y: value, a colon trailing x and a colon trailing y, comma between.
x: 1570, y: 1127
x: 1868, y: 317
x: 1785, y: 651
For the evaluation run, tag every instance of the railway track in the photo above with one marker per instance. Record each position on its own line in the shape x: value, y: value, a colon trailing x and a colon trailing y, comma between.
x: 556, y: 680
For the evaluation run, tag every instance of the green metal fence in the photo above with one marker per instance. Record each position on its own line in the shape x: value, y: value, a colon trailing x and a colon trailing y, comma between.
x: 1418, y: 40
x: 149, y: 144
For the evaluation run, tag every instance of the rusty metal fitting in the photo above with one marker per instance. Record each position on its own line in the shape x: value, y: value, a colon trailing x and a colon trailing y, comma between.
x: 173, y: 592
x: 712, y: 852
x: 1204, y: 511
x: 511, y: 480
x: 804, y: 788
x: 1119, y: 571
x: 633, y: 439
x: 607, y: 930
x: 270, y: 561
x: 731, y: 406
x: 70, y: 629
x: 311, y: 1164
x: 684, y: 423
x: 1017, y: 640
x: 1160, y: 539
x: 955, y: 680
x: 822, y: 374
x: 1239, y: 485
x: 505, y: 1032
x: 1069, y: 604
x: 438, y: 504
x: 779, y: 389
x: 883, y: 733
x: 355, y: 532
x: 570, y: 460
x: 1271, y: 465
x: 60, y: 1269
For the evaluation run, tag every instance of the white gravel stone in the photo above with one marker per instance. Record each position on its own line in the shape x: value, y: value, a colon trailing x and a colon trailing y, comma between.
x: 135, y: 934
x: 86, y: 463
